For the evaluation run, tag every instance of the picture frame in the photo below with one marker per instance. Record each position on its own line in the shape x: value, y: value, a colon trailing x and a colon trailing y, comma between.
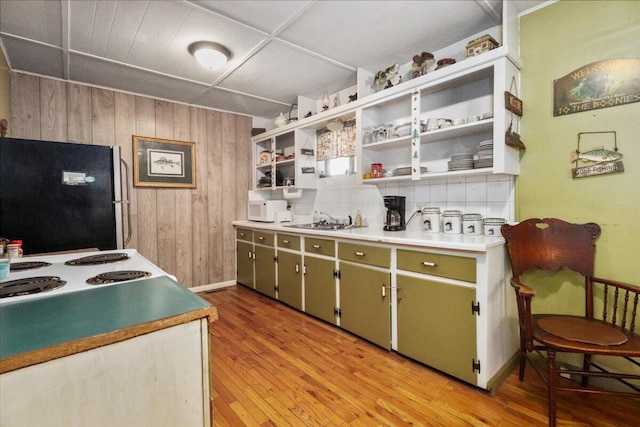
x: 164, y: 163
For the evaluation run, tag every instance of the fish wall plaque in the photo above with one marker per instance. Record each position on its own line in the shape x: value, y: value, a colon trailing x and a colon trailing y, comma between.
x: 598, y: 160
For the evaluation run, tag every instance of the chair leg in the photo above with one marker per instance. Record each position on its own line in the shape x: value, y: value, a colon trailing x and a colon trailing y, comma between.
x: 586, y: 366
x: 552, y: 384
x: 523, y: 358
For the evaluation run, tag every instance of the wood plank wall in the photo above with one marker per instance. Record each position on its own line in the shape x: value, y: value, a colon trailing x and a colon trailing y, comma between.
x: 188, y: 233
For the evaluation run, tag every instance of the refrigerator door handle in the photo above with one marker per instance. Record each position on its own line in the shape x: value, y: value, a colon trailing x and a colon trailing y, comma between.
x: 126, y: 202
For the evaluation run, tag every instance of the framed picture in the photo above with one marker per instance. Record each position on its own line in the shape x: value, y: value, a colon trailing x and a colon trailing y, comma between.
x: 163, y: 163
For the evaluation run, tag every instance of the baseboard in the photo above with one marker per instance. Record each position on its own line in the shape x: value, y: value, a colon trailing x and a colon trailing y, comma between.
x: 213, y: 286
x: 501, y: 376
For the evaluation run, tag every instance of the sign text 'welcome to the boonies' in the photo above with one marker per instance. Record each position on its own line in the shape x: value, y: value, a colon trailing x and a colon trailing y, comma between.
x: 601, y: 84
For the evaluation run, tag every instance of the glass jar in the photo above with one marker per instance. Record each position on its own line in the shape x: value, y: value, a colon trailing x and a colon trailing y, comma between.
x: 472, y: 224
x: 452, y: 222
x: 492, y: 226
x: 431, y: 220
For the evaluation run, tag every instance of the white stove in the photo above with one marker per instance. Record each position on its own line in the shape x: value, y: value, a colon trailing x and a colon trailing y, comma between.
x: 114, y: 267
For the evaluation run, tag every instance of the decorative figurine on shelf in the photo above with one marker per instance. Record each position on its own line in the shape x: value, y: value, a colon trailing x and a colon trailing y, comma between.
x: 325, y: 101
x: 281, y: 120
x: 336, y: 100
x: 421, y: 63
x: 353, y: 97
x: 387, y: 78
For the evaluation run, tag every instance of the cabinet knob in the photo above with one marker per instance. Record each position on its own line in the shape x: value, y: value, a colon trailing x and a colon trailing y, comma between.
x: 286, y: 242
x: 358, y: 253
x: 316, y: 246
x: 241, y: 234
x: 429, y: 264
x: 260, y: 238
x: 297, y: 268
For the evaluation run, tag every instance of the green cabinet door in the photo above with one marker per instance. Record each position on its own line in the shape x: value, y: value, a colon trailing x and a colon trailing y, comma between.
x: 436, y: 325
x: 244, y: 265
x: 265, y: 267
x: 320, y: 288
x: 364, y: 303
x: 290, y: 278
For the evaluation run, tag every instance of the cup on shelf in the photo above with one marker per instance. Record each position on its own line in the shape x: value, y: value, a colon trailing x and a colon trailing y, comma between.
x: 432, y: 124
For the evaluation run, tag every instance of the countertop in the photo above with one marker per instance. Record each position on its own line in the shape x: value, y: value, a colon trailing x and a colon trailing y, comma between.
x: 373, y: 234
x: 43, y: 329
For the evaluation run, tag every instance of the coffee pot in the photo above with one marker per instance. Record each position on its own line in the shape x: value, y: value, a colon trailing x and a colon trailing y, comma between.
x: 395, y: 213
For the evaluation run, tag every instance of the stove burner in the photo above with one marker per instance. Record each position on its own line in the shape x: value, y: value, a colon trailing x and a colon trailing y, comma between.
x: 30, y: 285
x: 28, y: 265
x: 99, y: 259
x: 117, y: 276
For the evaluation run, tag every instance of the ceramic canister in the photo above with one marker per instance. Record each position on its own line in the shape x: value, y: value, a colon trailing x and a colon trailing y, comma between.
x: 492, y: 226
x: 452, y: 222
x: 472, y: 224
x: 431, y: 220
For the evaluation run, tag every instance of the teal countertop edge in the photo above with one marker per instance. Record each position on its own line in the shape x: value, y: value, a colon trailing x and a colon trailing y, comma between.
x: 45, y: 322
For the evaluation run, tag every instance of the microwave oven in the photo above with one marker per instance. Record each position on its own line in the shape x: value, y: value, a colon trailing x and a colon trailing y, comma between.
x: 265, y: 210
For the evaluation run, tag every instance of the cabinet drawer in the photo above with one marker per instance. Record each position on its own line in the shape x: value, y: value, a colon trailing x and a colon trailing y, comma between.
x: 319, y: 246
x: 263, y: 238
x: 451, y: 266
x: 288, y: 241
x: 372, y: 255
x: 244, y: 234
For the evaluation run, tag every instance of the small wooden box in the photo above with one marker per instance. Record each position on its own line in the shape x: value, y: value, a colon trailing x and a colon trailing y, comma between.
x: 481, y: 45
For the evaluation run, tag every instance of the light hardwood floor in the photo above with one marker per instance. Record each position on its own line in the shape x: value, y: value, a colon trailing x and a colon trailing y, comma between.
x: 275, y: 366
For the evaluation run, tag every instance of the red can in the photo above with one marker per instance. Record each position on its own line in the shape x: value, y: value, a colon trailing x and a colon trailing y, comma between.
x: 376, y: 170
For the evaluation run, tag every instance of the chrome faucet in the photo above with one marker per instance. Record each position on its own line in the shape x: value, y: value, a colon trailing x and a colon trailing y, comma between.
x: 335, y: 221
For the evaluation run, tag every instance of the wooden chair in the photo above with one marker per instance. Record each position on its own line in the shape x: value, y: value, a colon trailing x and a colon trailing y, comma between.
x: 550, y: 244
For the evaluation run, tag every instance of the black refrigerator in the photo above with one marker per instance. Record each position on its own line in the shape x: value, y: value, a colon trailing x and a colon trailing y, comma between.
x: 57, y: 196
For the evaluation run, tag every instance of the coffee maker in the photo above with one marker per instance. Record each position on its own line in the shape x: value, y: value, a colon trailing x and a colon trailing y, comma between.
x: 395, y: 213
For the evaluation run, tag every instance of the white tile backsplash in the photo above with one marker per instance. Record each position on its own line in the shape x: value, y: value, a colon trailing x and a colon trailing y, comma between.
x: 490, y: 196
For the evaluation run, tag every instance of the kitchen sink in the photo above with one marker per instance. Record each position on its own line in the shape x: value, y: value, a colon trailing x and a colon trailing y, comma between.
x: 319, y: 226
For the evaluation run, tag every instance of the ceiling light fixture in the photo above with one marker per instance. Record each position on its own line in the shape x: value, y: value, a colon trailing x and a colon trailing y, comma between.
x: 209, y: 54
x: 335, y: 125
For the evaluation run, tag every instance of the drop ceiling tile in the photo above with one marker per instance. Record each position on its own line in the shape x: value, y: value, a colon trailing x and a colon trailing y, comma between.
x: 374, y: 35
x: 36, y: 20
x: 102, y: 73
x: 264, y: 15
x: 34, y: 57
x: 161, y: 21
x: 81, y: 18
x: 281, y: 73
x: 224, y: 100
x: 127, y: 20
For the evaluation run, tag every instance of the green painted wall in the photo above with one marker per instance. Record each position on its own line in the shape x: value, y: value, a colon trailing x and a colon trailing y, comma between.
x: 554, y: 41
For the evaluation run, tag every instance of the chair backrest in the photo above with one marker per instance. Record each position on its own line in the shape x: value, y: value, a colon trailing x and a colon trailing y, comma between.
x: 550, y: 244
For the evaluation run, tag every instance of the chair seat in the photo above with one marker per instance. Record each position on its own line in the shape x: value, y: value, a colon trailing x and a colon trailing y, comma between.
x: 579, y: 334
x: 582, y: 329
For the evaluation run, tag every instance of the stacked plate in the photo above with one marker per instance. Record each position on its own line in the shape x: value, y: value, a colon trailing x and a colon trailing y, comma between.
x: 461, y: 161
x: 485, y: 155
x: 407, y: 171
